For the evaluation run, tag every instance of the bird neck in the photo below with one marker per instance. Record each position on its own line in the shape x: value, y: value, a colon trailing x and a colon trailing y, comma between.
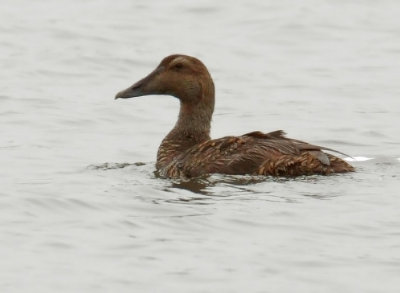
x: 193, y: 127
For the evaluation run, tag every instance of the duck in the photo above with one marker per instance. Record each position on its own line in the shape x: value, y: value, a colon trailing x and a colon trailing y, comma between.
x: 188, y: 150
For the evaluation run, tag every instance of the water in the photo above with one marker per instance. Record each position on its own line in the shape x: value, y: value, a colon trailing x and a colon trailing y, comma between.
x: 81, y: 209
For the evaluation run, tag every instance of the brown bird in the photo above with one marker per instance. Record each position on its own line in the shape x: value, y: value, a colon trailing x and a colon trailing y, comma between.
x: 188, y: 151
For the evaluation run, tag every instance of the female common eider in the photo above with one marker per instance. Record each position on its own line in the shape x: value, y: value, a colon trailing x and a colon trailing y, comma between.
x: 188, y: 151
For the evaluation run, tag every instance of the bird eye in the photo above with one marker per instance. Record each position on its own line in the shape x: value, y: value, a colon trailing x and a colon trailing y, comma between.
x: 178, y: 66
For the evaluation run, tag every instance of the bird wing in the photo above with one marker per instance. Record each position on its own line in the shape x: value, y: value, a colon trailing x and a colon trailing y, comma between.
x: 252, y: 153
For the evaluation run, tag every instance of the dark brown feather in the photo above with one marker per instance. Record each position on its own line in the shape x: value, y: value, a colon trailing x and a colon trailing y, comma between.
x: 257, y: 154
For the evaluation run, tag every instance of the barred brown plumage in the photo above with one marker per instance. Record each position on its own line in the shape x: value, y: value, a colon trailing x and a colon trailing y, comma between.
x: 188, y: 151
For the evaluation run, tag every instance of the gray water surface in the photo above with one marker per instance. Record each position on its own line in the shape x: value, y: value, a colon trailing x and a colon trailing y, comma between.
x: 80, y: 207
